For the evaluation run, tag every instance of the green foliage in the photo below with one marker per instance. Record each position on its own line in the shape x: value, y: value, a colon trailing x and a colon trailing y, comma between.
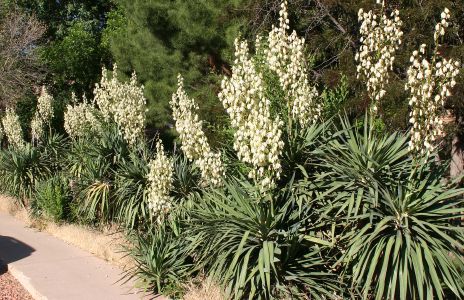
x: 52, y: 198
x: 396, y: 217
x: 67, y: 56
x: 163, y: 38
x: 358, y: 155
x: 161, y: 260
x: 261, y: 247
x: 186, y: 178
x: 130, y: 190
x: 403, y: 247
x: 21, y: 169
x: 334, y: 99
x: 91, y: 164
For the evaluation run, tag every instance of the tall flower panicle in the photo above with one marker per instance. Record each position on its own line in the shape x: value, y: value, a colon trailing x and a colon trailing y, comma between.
x: 82, y: 119
x: 429, y: 84
x: 124, y: 103
x: 1, y: 132
x: 285, y: 56
x: 42, y: 116
x: 45, y: 106
x: 37, y: 130
x: 257, y: 139
x: 160, y: 178
x: 380, y: 38
x: 13, y: 130
x: 194, y: 142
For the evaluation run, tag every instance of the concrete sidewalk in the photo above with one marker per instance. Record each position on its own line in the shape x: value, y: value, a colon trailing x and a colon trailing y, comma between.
x: 51, y: 269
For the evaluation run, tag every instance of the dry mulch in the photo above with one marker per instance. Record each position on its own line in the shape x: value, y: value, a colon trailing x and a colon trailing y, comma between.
x: 10, y: 288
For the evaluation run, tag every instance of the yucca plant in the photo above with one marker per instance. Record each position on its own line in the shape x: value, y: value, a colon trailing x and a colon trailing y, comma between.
x: 358, y: 155
x: 261, y: 248
x: 395, y: 219
x: 130, y: 185
x: 161, y: 260
x: 407, y: 244
x: 92, y: 163
x: 186, y: 178
x: 94, y: 192
x: 55, y: 147
x: 355, y: 161
x: 21, y: 169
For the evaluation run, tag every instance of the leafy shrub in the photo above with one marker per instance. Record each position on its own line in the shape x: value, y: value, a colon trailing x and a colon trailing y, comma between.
x: 91, y: 164
x: 186, y: 178
x: 52, y: 198
x: 161, y: 259
x: 131, y: 207
x: 21, y: 169
x: 404, y: 246
x: 262, y: 247
x: 395, y: 216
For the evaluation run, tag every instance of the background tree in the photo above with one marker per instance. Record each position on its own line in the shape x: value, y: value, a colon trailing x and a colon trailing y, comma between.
x: 71, y: 49
x: 159, y: 39
x: 20, y: 66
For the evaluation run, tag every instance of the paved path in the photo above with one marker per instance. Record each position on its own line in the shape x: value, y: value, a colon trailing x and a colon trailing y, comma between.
x: 51, y: 269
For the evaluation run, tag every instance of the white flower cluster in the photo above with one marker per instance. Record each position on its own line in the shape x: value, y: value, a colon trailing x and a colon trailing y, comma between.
x: 82, y: 119
x: 45, y: 106
x: 194, y: 142
x: 43, y: 114
x: 37, y: 130
x: 123, y: 102
x: 380, y: 38
x: 285, y: 56
x: 12, y: 128
x: 160, y: 178
x: 257, y: 139
x: 429, y: 84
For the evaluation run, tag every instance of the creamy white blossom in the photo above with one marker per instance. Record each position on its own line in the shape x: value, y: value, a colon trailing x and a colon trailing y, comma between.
x: 12, y: 129
x: 122, y: 102
x: 82, y: 119
x: 160, y: 179
x: 37, y: 130
x: 285, y: 56
x: 42, y: 116
x: 1, y: 133
x: 257, y: 138
x: 45, y: 106
x: 194, y: 142
x: 429, y: 84
x: 380, y: 38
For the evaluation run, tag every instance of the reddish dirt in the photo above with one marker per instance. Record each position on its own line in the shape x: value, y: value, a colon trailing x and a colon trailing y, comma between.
x: 10, y: 288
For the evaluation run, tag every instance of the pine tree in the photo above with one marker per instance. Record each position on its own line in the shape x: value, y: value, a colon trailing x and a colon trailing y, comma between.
x: 159, y: 39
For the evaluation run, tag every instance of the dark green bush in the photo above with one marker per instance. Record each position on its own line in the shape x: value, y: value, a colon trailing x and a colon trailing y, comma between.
x: 91, y: 164
x: 261, y: 247
x: 52, y: 199
x: 21, y: 169
x: 161, y: 259
x: 396, y: 219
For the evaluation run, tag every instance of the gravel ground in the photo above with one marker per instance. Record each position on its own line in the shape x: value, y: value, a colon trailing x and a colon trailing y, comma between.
x: 11, y: 289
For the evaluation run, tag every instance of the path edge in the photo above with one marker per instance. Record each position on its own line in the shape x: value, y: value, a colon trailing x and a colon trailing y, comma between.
x: 26, y: 283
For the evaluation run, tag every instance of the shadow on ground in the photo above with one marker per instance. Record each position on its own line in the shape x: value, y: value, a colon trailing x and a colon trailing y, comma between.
x: 12, y: 250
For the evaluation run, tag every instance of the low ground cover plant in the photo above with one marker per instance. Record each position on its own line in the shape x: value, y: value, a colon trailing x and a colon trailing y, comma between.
x: 297, y: 201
